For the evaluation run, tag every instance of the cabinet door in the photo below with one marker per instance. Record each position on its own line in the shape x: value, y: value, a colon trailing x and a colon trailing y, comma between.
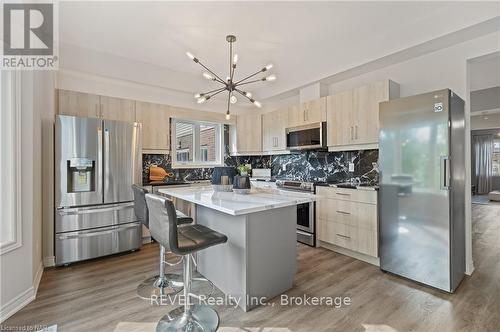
x: 340, y: 118
x: 315, y: 111
x: 295, y: 115
x: 155, y: 121
x: 78, y: 104
x: 366, y: 110
x: 280, y: 125
x: 273, y: 130
x: 249, y: 133
x: 117, y: 109
x: 268, y: 141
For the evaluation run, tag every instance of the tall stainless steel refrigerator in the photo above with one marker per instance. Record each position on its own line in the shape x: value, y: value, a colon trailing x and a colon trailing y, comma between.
x: 422, y: 188
x: 96, y: 163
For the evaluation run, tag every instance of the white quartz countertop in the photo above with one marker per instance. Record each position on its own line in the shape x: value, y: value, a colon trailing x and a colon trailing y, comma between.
x: 237, y: 204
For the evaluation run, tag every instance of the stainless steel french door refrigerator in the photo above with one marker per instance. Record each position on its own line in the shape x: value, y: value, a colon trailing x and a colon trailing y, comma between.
x: 422, y: 188
x: 96, y: 163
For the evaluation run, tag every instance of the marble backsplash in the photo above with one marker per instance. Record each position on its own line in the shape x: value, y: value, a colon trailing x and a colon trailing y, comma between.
x: 306, y: 166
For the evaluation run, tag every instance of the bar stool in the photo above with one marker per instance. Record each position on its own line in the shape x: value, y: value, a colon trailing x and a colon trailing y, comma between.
x: 183, y: 240
x: 161, y: 284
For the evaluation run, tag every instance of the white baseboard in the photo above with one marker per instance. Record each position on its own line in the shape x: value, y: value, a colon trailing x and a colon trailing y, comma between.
x: 23, y: 299
x: 469, y: 270
x: 49, y: 261
x: 146, y: 240
x: 38, y: 277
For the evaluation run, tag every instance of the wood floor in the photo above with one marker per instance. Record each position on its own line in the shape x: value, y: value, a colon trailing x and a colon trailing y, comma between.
x: 100, y: 295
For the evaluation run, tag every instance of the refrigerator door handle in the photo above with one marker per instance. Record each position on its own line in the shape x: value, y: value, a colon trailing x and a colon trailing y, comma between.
x: 100, y: 187
x: 445, y: 173
x: 88, y: 210
x: 106, y: 158
x: 97, y: 232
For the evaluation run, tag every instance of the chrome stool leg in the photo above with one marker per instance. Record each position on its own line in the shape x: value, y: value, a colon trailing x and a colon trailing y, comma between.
x: 162, y: 284
x: 192, y: 318
x: 200, y: 284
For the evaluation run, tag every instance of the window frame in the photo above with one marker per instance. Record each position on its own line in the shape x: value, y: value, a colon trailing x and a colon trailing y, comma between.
x: 197, y: 162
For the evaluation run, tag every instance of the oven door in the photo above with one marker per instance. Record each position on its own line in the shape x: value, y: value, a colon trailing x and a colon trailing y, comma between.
x: 305, y: 217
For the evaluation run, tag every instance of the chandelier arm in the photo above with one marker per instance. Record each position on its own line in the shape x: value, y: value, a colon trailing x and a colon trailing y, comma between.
x: 214, y: 94
x: 243, y: 94
x: 230, y: 61
x: 228, y: 101
x: 249, y: 76
x: 211, y: 72
x: 254, y: 81
x: 209, y: 92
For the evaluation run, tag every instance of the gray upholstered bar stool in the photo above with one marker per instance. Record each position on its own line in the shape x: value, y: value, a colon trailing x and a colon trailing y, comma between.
x: 162, y: 283
x: 183, y: 240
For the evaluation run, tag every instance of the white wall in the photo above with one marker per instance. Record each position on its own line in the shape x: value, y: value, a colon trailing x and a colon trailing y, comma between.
x: 21, y: 269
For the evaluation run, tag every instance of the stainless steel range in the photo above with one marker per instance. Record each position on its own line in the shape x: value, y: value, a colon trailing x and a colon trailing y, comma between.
x: 305, y: 212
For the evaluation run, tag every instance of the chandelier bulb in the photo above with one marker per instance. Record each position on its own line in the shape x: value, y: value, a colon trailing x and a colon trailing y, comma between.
x: 202, y: 100
x: 208, y: 76
x: 235, y: 59
x: 198, y: 95
x: 228, y: 116
x: 256, y: 103
x: 269, y: 66
x: 248, y: 94
x: 270, y: 78
x: 190, y: 55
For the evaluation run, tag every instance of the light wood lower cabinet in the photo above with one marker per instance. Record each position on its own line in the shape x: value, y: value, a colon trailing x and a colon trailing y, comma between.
x: 348, y: 218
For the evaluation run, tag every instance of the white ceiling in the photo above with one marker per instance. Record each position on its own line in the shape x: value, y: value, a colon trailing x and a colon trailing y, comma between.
x: 306, y: 41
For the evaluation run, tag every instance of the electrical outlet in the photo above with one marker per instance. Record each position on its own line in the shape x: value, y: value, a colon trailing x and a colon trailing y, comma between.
x: 351, y: 167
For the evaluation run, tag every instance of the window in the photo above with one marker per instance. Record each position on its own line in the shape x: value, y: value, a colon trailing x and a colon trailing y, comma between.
x: 496, y: 157
x: 196, y: 144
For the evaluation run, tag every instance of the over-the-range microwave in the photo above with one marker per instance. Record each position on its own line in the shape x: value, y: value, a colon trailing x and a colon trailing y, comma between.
x: 310, y: 136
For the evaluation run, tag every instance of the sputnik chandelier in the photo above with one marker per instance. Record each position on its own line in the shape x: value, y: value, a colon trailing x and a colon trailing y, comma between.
x: 230, y: 85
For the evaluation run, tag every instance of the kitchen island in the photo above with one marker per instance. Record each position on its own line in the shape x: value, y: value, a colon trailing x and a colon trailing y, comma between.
x: 259, y: 260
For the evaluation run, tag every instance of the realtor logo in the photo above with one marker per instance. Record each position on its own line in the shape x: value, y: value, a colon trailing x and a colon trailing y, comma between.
x: 28, y: 35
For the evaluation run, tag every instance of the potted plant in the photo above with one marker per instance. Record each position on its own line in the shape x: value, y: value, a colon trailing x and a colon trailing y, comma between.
x: 244, y: 169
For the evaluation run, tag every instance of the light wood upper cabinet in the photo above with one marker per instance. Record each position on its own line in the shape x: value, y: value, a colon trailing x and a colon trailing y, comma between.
x: 78, y: 104
x: 366, y: 110
x: 117, y: 109
x: 248, y: 134
x: 339, y: 118
x: 273, y: 130
x: 155, y: 119
x: 353, y: 115
x: 306, y: 113
x: 94, y: 106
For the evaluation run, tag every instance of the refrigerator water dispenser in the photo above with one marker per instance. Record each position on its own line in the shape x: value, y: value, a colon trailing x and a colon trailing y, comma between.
x: 81, y: 175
